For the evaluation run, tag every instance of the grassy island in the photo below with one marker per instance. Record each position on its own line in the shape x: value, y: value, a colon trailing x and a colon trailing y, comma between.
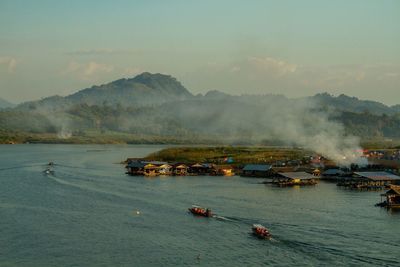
x: 229, y: 154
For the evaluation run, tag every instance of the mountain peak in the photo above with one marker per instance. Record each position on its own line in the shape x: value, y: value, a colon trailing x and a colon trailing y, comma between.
x: 144, y: 89
x: 162, y: 82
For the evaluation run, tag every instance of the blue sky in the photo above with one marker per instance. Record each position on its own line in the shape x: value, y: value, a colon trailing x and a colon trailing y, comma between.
x: 295, y: 48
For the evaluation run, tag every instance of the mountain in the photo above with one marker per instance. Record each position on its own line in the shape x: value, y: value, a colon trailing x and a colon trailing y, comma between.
x: 353, y: 104
x: 5, y: 104
x: 143, y: 90
x: 158, y: 105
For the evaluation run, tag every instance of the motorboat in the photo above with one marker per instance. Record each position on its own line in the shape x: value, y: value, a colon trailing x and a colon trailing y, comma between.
x: 261, y: 231
x: 197, y: 210
x: 48, y: 171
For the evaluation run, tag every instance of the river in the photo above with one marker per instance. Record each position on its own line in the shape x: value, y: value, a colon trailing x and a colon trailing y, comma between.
x: 90, y: 213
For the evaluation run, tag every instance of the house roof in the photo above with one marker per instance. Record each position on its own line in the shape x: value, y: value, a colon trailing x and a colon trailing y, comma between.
x: 392, y: 191
x: 197, y: 165
x: 150, y: 166
x: 257, y: 167
x: 154, y: 162
x: 136, y: 164
x: 180, y: 166
x: 165, y: 166
x: 378, y: 176
x: 333, y: 172
x: 297, y: 175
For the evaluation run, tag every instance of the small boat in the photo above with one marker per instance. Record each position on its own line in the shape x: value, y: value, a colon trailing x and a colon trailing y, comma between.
x: 48, y: 171
x: 261, y: 231
x: 196, y: 210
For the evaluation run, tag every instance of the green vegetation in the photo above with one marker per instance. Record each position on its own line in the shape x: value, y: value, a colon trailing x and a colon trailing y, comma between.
x: 106, y: 124
x: 156, y: 108
x: 239, y: 155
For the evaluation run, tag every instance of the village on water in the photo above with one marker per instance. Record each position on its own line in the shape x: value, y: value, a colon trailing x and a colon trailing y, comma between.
x: 381, y: 172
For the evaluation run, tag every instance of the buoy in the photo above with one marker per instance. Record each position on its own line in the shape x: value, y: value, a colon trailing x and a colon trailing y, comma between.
x: 137, y: 212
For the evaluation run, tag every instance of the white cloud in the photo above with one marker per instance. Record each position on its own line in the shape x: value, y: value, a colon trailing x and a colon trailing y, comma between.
x: 9, y: 63
x: 99, y: 51
x: 87, y: 71
x: 270, y: 65
x: 256, y: 68
x: 259, y: 75
x: 93, y: 68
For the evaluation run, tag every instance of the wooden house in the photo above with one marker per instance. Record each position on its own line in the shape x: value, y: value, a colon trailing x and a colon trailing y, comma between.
x: 294, y: 178
x: 165, y: 169
x: 332, y: 173
x: 200, y: 169
x: 316, y: 172
x: 135, y: 167
x: 150, y: 170
x: 392, y: 198
x: 257, y: 170
x: 376, y: 178
x: 179, y: 169
x: 222, y: 170
x: 369, y: 180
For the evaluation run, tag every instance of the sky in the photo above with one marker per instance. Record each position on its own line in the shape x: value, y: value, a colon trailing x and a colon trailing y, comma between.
x: 295, y: 48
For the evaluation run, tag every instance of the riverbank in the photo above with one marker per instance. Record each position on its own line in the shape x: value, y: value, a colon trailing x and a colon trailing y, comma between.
x: 110, y: 137
x: 96, y: 137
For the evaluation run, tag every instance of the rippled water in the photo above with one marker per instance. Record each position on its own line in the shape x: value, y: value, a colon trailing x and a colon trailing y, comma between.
x: 86, y: 215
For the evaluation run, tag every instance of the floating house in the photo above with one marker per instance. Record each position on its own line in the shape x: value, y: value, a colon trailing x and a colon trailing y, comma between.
x: 392, y: 198
x: 180, y: 169
x: 150, y: 170
x: 147, y: 168
x: 222, y: 171
x: 370, y: 180
x: 332, y: 173
x: 135, y: 167
x: 201, y: 168
x: 378, y: 176
x: 316, y: 172
x: 165, y: 169
x: 294, y: 178
x: 257, y: 170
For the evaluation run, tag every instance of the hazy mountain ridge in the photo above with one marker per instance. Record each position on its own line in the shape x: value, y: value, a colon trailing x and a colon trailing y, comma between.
x: 158, y: 105
x: 149, y: 89
x: 353, y: 104
x: 143, y: 90
x: 5, y: 104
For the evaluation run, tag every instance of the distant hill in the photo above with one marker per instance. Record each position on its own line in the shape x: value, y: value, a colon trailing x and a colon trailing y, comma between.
x: 160, y: 106
x: 5, y: 104
x: 353, y: 104
x: 143, y: 90
x: 149, y: 89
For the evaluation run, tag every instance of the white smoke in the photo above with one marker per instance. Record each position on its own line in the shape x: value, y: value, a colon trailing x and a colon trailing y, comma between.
x: 64, y: 133
x: 300, y: 122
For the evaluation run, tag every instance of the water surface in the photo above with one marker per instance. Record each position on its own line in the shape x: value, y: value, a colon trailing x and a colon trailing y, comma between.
x: 86, y: 215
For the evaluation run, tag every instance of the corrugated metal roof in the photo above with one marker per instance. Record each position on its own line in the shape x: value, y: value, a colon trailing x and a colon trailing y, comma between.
x: 136, y: 164
x: 333, y: 172
x: 297, y: 175
x: 257, y: 167
x: 378, y: 176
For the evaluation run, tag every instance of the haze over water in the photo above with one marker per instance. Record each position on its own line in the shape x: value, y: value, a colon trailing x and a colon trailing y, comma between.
x: 86, y: 215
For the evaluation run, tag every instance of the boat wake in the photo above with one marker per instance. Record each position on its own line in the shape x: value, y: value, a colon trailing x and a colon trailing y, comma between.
x: 222, y: 218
